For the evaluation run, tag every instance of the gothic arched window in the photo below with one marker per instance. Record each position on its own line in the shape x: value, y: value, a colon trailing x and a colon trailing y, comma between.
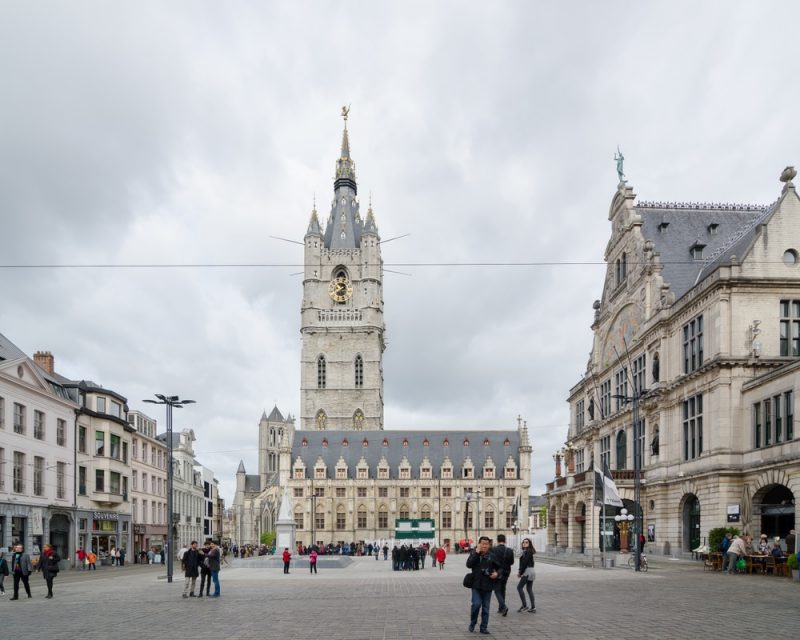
x: 322, y: 372
x: 359, y: 371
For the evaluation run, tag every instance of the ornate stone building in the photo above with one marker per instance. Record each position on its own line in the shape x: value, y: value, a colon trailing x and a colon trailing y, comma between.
x: 348, y: 477
x: 699, y: 320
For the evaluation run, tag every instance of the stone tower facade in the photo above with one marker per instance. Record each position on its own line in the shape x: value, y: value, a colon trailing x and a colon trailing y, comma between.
x: 342, y: 324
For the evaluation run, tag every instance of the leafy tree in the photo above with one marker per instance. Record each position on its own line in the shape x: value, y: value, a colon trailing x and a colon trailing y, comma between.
x: 268, y: 538
x: 715, y: 536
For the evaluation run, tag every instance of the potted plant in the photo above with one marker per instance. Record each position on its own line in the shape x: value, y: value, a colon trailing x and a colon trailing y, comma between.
x: 791, y: 562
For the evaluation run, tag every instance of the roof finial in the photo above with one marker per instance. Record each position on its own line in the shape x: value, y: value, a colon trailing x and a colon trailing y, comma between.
x: 314, y: 206
x: 345, y: 113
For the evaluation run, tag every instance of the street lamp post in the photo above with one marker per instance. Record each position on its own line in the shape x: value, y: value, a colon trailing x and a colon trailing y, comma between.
x: 638, y: 446
x: 177, y: 403
x: 623, y: 520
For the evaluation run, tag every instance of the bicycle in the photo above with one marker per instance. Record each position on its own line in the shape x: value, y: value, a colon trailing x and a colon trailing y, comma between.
x: 632, y: 561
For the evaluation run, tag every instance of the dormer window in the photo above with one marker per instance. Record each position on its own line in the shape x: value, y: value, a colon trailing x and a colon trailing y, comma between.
x: 447, y: 473
x: 486, y: 442
x: 467, y: 472
x: 425, y: 442
x: 425, y: 472
x: 696, y: 250
x: 466, y: 442
x: 299, y: 473
x: 319, y: 473
x: 383, y: 473
x: 385, y: 442
x: 341, y: 473
x: 304, y: 443
x: 506, y: 442
x: 365, y: 443
x: 712, y: 228
x: 446, y: 442
x: 325, y: 443
x: 662, y: 228
x: 405, y: 442
x: 405, y: 473
x: 345, y: 443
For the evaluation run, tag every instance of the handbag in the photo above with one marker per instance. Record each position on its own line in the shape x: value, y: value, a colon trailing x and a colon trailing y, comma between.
x: 530, y: 574
x: 469, y: 580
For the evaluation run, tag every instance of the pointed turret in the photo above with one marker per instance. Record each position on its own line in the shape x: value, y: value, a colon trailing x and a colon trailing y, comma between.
x: 241, y: 467
x: 370, y: 226
x: 313, y: 223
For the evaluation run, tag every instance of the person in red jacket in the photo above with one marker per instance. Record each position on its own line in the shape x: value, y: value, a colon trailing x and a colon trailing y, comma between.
x: 286, y: 559
x: 441, y: 554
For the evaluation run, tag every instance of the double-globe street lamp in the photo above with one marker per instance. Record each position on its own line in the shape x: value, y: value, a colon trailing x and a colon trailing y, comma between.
x: 177, y: 403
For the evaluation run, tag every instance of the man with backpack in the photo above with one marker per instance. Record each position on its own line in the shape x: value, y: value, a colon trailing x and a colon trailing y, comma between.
x: 505, y: 558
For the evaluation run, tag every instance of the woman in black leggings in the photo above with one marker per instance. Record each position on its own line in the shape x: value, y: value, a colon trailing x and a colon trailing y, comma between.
x: 526, y: 574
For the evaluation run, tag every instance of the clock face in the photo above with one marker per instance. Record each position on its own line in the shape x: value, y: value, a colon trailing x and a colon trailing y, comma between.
x: 340, y: 290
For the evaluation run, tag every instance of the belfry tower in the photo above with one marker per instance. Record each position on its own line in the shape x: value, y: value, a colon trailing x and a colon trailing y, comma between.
x: 342, y: 325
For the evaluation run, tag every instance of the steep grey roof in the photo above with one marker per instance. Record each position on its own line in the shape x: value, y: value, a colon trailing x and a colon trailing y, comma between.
x: 395, y: 450
x: 8, y: 350
x: 275, y: 415
x: 241, y: 467
x: 252, y: 482
x: 688, y: 224
x: 176, y: 439
x: 344, y: 226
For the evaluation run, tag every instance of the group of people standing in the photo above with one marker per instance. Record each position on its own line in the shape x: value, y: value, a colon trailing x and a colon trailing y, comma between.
x: 20, y: 566
x: 407, y: 557
x: 491, y: 569
x: 204, y: 562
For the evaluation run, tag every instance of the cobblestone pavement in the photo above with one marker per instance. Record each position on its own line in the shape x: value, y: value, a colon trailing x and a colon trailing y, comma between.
x: 367, y: 601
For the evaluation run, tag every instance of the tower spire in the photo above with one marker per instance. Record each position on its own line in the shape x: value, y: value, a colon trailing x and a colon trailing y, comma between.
x: 344, y: 225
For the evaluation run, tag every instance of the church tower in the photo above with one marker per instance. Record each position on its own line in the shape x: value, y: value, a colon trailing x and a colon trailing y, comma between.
x: 342, y: 328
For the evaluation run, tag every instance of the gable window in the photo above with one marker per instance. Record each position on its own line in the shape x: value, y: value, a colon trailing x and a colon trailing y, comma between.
x: 790, y: 328
x: 488, y: 472
x: 511, y: 473
x: 321, y: 372
x: 359, y: 372
x: 425, y: 472
x: 467, y: 472
x: 693, y: 345
x: 405, y: 473
x: 447, y: 473
x: 363, y: 473
x: 341, y: 473
x: 383, y: 473
x: 319, y: 473
x: 693, y: 427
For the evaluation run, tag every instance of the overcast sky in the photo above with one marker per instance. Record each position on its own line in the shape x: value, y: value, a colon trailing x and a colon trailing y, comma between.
x: 189, y: 133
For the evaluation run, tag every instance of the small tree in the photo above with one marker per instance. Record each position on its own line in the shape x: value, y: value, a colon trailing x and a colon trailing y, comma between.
x: 715, y: 536
x: 268, y: 538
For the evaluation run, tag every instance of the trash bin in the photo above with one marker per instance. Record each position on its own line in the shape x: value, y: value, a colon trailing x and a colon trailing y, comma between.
x: 609, y: 563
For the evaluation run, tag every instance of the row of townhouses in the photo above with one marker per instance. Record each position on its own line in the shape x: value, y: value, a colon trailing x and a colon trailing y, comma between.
x: 78, y: 469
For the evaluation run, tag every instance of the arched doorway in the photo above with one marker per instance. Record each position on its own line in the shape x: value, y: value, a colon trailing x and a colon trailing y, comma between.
x: 691, y: 522
x: 777, y: 511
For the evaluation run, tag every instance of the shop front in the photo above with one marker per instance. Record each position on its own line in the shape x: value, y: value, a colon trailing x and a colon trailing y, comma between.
x: 102, y: 531
x: 147, y: 537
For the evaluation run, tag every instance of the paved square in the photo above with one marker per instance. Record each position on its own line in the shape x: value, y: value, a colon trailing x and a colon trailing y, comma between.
x: 367, y: 601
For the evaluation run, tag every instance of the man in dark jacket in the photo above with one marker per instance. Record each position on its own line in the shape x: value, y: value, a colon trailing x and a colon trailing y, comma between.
x: 191, y: 568
x: 486, y: 570
x: 505, y: 557
x: 21, y: 568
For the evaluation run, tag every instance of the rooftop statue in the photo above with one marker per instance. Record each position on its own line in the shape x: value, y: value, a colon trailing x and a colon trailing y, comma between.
x: 620, y: 159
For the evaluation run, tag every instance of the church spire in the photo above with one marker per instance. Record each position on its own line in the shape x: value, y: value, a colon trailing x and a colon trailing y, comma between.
x: 344, y: 226
x: 313, y: 224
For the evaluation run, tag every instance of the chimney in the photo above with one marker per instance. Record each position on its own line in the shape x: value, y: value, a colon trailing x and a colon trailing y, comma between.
x: 45, y: 361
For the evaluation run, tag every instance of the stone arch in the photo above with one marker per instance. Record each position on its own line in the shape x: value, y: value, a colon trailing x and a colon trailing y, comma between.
x: 690, y: 522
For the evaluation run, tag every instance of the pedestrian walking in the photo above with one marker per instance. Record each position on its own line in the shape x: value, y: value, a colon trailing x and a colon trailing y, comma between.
x: 91, y: 556
x: 48, y: 566
x: 81, y: 553
x: 3, y: 572
x: 205, y: 571
x: 112, y: 556
x: 287, y: 558
x: 505, y: 557
x: 214, y: 560
x: 312, y: 561
x: 485, y: 572
x: 526, y: 574
x: 441, y: 554
x: 21, y: 568
x: 191, y: 565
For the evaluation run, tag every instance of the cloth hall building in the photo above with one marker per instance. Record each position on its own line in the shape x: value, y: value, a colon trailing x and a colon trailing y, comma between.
x: 348, y: 476
x: 697, y: 335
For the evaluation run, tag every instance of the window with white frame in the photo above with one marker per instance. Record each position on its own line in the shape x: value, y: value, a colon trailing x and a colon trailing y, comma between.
x: 621, y: 388
x: 579, y: 416
x: 638, y: 372
x: 605, y: 399
x: 61, y: 432
x: 19, y: 418
x: 38, y: 476
x: 38, y: 425
x: 579, y: 463
x: 605, y: 451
